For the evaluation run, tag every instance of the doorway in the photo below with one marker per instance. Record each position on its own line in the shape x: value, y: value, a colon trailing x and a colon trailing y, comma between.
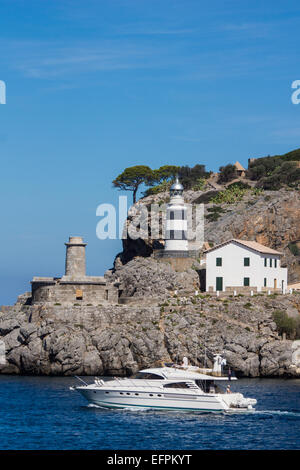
x: 219, y: 283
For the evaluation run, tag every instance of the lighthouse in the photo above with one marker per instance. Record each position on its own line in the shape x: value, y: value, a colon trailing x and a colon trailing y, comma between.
x: 176, y: 220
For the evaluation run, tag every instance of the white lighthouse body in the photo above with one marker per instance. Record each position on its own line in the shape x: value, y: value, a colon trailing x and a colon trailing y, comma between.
x: 176, y: 220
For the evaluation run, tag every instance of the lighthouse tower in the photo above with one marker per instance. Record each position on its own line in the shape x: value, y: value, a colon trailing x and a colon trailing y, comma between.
x: 176, y: 220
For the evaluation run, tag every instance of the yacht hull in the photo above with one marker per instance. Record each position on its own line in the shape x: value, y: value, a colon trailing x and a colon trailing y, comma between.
x: 164, y: 402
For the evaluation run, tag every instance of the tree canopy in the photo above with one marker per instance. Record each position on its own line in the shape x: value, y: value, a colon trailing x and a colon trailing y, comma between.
x: 132, y: 177
x: 227, y: 173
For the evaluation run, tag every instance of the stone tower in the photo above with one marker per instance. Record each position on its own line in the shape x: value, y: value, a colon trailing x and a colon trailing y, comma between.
x: 176, y: 220
x: 75, y: 258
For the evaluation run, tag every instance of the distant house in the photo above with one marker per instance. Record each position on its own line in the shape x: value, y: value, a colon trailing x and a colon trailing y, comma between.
x: 240, y: 169
x: 244, y: 265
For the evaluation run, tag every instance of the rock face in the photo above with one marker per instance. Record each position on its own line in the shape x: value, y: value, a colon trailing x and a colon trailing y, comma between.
x: 89, y: 340
x: 271, y: 218
x: 145, y: 277
x: 166, y: 320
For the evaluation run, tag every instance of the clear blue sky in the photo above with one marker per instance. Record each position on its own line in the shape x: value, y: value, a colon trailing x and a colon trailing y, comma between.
x: 94, y: 86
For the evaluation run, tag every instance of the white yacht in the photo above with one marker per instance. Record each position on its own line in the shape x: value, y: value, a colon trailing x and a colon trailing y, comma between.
x: 183, y: 388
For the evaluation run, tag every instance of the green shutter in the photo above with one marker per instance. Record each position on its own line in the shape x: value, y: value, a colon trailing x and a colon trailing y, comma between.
x: 219, y: 283
x: 246, y: 261
x: 218, y: 261
x: 246, y: 281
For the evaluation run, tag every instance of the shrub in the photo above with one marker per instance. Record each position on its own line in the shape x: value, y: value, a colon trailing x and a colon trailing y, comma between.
x: 214, y: 213
x: 189, y: 176
x: 199, y: 185
x: 227, y: 173
x: 274, y: 172
x: 294, y: 249
x: 239, y: 184
x: 160, y: 188
x: 285, y: 324
x: 231, y: 195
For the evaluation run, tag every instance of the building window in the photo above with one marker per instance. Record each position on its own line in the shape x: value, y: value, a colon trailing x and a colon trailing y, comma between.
x: 266, y: 259
x: 171, y: 215
x: 219, y: 283
x: 246, y: 261
x: 265, y: 282
x: 275, y: 263
x: 171, y: 234
x: 246, y: 281
x: 218, y: 261
x: 270, y: 262
x: 183, y: 235
x: 79, y: 294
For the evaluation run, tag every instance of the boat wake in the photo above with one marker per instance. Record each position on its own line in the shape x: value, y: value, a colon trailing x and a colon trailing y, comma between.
x: 266, y: 413
x: 277, y: 413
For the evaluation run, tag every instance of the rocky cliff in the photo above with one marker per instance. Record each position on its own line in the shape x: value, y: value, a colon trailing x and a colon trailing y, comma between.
x: 271, y: 218
x: 162, y: 318
x: 122, y: 339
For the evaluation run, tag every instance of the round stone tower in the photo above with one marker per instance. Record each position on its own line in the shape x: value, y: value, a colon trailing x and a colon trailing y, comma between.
x: 75, y: 258
x: 176, y: 220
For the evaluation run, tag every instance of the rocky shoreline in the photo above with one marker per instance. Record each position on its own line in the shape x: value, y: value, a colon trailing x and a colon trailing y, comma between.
x: 160, y: 316
x: 120, y: 340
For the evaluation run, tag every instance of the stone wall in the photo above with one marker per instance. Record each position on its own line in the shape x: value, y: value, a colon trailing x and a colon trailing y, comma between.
x: 72, y: 293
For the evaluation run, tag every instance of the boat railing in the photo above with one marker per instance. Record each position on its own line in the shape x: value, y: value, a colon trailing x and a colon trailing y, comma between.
x: 123, y: 381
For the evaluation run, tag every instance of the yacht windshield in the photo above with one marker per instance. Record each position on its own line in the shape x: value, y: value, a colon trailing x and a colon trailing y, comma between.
x: 146, y: 376
x: 177, y: 385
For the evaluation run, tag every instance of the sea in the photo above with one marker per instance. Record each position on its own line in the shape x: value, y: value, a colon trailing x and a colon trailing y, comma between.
x: 42, y: 413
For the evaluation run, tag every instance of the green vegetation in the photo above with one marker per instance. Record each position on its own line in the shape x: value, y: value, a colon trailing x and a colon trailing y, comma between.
x: 190, y: 176
x: 214, y: 213
x: 274, y: 172
x: 234, y: 193
x: 227, y: 173
x: 200, y: 185
x: 247, y: 305
x: 289, y: 326
x: 269, y: 173
x: 160, y: 188
x: 132, y: 178
x: 230, y: 195
x: 293, y: 247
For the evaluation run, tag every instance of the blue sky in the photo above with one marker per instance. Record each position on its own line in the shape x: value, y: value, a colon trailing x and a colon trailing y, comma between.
x: 96, y: 86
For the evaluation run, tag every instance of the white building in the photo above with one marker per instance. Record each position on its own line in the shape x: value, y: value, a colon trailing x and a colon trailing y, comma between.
x: 244, y: 264
x: 176, y: 220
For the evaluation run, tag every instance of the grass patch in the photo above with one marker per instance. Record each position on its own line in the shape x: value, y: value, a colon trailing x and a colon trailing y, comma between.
x: 247, y: 305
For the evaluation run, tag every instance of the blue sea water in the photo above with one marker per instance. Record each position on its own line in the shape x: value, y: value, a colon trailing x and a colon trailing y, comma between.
x: 42, y: 413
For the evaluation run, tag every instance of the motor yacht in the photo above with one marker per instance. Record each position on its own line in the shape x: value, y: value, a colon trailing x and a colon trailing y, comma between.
x: 184, y: 388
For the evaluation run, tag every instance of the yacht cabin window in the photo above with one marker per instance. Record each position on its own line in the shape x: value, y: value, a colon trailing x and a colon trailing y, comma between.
x: 177, y: 385
x: 147, y: 376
